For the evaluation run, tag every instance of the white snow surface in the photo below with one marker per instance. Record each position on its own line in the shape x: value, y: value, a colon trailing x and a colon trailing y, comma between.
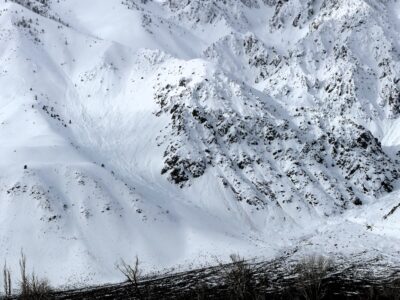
x: 184, y: 131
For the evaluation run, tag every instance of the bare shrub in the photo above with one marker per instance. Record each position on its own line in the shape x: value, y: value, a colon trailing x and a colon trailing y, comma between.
x: 311, y: 271
x: 32, y: 287
x: 7, y: 281
x: 239, y: 278
x: 24, y: 284
x: 132, y: 274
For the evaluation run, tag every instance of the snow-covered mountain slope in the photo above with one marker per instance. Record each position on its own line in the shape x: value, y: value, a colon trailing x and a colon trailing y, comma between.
x: 178, y: 130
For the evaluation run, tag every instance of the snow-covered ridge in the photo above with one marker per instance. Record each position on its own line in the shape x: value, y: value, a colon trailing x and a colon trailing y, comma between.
x: 173, y: 129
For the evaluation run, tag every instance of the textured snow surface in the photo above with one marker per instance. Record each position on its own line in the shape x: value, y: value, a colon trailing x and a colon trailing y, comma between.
x: 181, y: 131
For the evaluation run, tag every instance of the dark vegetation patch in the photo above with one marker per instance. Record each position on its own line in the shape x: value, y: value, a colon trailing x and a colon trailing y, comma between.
x: 311, y: 278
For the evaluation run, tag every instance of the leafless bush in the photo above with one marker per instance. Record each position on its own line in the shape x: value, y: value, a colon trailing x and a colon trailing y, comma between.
x: 239, y: 278
x: 311, y: 271
x: 32, y: 287
x: 7, y: 281
x: 132, y: 274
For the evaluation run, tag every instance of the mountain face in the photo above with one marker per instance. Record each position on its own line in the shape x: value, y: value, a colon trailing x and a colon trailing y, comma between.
x: 181, y: 129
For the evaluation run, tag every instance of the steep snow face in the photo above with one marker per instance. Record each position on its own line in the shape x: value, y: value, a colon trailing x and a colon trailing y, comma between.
x: 183, y: 129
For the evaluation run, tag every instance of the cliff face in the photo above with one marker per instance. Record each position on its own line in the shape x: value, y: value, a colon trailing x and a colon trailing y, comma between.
x: 173, y: 129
